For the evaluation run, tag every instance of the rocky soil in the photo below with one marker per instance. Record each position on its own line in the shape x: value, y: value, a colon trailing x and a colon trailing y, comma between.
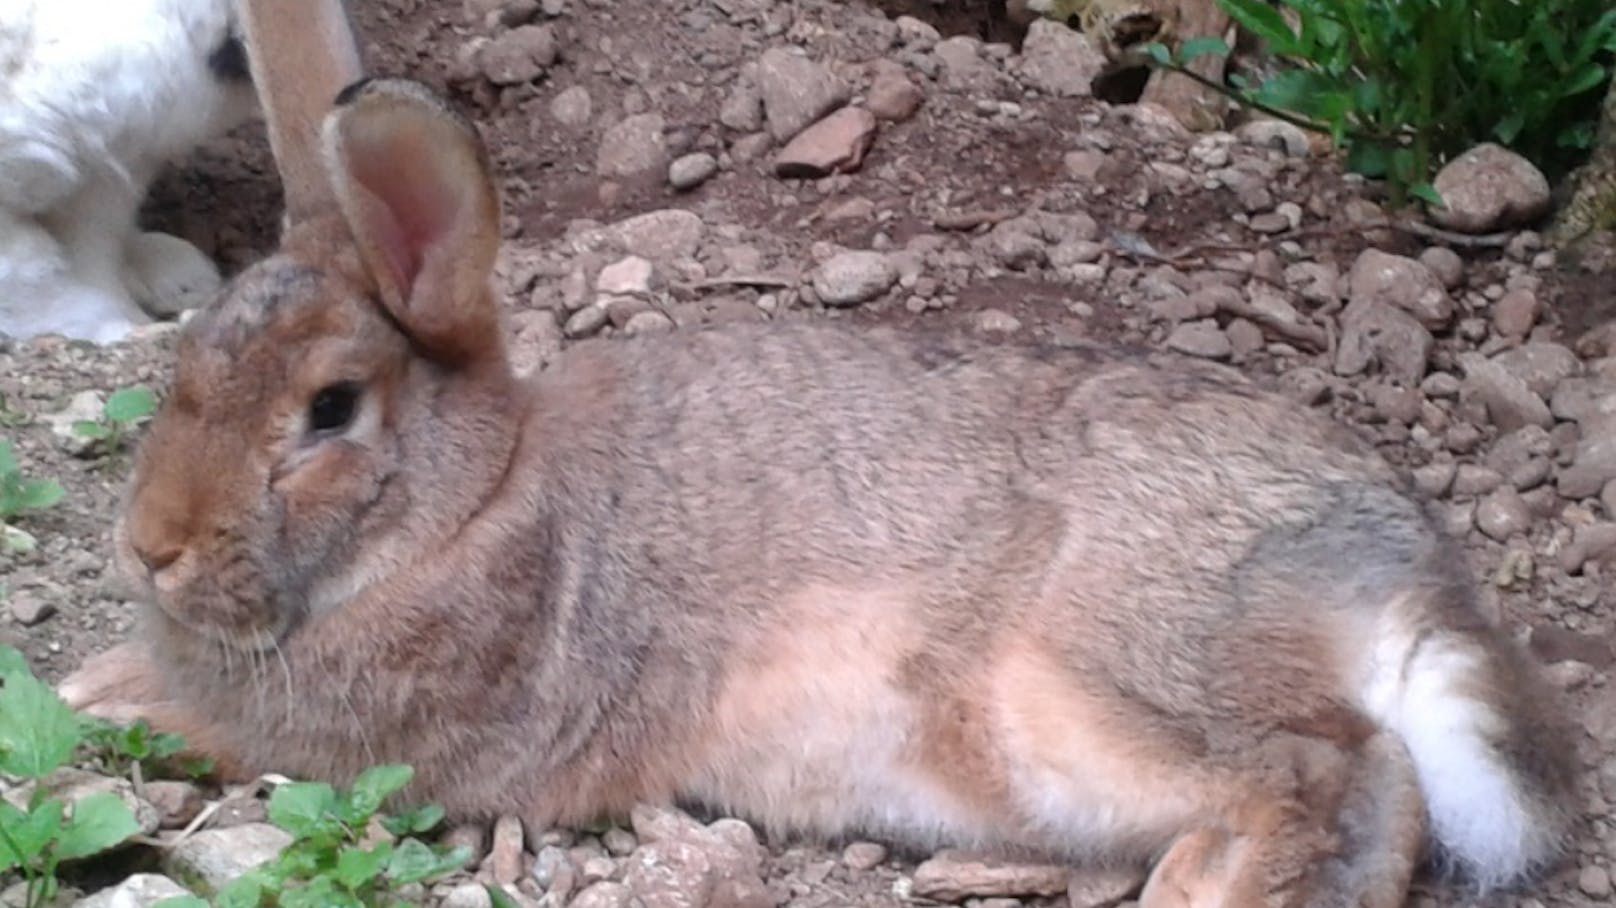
x: 668, y: 163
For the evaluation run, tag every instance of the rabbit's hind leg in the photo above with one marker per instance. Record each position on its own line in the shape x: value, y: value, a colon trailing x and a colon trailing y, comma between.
x: 1350, y: 837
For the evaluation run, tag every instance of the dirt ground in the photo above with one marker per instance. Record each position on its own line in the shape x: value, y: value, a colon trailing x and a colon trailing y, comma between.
x: 980, y: 148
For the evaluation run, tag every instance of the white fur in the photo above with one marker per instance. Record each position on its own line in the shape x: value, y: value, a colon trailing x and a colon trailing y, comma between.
x: 1479, y: 816
x: 95, y: 97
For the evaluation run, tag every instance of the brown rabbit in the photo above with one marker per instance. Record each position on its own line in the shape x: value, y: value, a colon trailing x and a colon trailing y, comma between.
x: 1098, y: 605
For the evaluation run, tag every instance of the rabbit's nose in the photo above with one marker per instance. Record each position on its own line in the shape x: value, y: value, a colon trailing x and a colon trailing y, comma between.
x: 158, y: 556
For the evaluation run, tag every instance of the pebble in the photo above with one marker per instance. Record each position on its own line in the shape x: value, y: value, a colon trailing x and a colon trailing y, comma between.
x: 692, y: 170
x: 1503, y: 514
x: 505, y: 855
x: 29, y: 608
x: 468, y: 895
x: 143, y: 890
x: 519, y: 55
x: 572, y: 107
x: 850, y: 278
x: 1059, y: 61
x: 605, y: 894
x: 894, y: 97
x: 632, y: 146
x: 864, y: 855
x: 629, y: 276
x: 1201, y: 338
x: 996, y: 321
x: 1594, y: 881
x: 217, y: 856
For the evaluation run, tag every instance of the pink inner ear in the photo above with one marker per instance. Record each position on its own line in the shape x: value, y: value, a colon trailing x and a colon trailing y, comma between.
x: 415, y: 200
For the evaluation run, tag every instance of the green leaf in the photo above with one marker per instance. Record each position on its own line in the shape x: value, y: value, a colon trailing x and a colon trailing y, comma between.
x: 85, y: 428
x: 130, y: 404
x: 419, y: 819
x: 38, y: 733
x: 30, y: 833
x: 8, y: 458
x: 38, y: 494
x: 1201, y: 47
x: 166, y: 744
x: 99, y: 821
x: 499, y: 898
x: 182, y: 901
x: 372, y: 787
x: 245, y: 891
x: 321, y: 892
x: 356, y: 867
x: 1262, y: 20
x: 1157, y: 53
x: 415, y: 862
x: 1427, y: 193
x: 305, y: 809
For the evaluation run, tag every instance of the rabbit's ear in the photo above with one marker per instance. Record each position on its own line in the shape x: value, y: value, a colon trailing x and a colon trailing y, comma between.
x: 301, y: 53
x: 412, y: 179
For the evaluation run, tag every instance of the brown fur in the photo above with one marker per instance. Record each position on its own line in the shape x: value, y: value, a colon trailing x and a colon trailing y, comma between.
x: 1070, y: 600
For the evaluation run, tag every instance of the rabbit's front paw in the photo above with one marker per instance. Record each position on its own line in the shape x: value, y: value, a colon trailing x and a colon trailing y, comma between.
x: 167, y: 275
x: 119, y: 685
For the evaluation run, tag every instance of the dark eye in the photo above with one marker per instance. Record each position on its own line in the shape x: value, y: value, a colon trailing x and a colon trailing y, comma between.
x: 333, y: 407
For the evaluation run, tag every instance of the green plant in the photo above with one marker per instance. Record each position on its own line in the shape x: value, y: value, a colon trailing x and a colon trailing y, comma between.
x: 334, y: 860
x: 127, y: 750
x: 122, y: 411
x: 1404, y: 85
x: 19, y: 494
x: 38, y: 735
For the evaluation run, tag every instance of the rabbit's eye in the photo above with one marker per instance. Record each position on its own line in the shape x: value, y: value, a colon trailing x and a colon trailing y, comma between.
x: 333, y: 407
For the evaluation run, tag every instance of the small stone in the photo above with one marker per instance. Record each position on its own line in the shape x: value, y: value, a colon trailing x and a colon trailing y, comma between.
x: 604, y: 895
x: 952, y: 876
x: 1474, y: 480
x: 742, y: 110
x: 547, y: 864
x: 997, y: 321
x: 893, y: 97
x: 1489, y: 188
x: 1083, y: 166
x: 1401, y: 282
x: 1509, y: 402
x: 647, y: 323
x: 519, y: 55
x: 750, y: 147
x: 629, y: 276
x: 1200, y: 338
x: 586, y: 321
x: 1445, y: 264
x: 1434, y: 479
x: 836, y: 144
x: 796, y: 91
x: 633, y: 146
x: 692, y: 170
x: 670, y: 874
x: 1594, y: 881
x: 1516, y: 312
x: 468, y: 895
x: 1503, y: 514
x: 84, y: 406
x: 1542, y: 366
x: 1059, y: 61
x: 29, y: 608
x: 572, y: 107
x: 1594, y: 542
x: 864, y: 855
x: 143, y: 890
x: 505, y: 855
x: 218, y: 856
x: 670, y: 235
x: 177, y: 803
x: 618, y: 841
x: 850, y: 278
x: 1373, y: 332
x: 1276, y: 134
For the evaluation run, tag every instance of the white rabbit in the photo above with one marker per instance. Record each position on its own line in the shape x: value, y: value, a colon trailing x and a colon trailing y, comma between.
x: 97, y: 96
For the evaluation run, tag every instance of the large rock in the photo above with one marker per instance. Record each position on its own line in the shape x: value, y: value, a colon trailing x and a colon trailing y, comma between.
x: 667, y: 235
x: 519, y: 55
x: 1509, y: 401
x: 796, y: 91
x: 1059, y: 61
x: 1402, y: 282
x: 1489, y: 188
